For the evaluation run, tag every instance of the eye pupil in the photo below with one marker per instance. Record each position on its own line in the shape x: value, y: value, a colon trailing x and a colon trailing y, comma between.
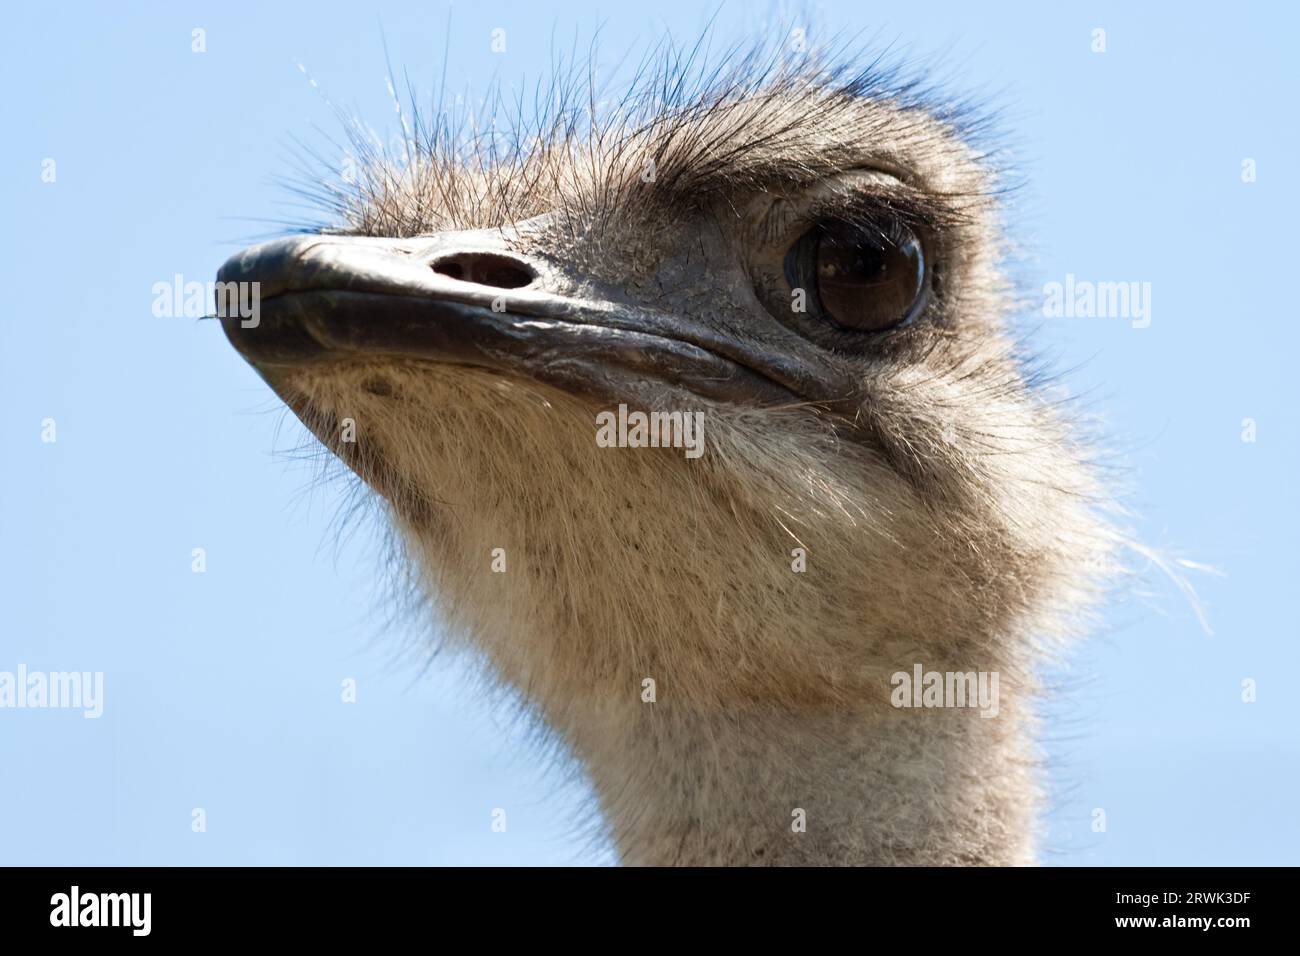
x: 839, y: 262
x: 866, y: 280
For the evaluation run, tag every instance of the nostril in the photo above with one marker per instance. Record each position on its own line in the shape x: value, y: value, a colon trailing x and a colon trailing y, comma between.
x: 505, y: 275
x: 485, y: 268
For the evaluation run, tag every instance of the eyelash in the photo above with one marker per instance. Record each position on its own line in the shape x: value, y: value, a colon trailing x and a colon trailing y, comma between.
x: 868, y: 213
x: 776, y: 225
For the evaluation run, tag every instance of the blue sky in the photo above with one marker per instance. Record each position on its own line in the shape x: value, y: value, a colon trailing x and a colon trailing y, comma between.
x: 222, y: 688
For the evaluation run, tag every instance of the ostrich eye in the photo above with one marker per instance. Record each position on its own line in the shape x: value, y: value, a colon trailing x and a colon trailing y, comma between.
x: 863, y: 278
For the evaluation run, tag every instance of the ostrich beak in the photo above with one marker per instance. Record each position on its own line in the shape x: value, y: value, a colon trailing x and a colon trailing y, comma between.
x: 467, y: 299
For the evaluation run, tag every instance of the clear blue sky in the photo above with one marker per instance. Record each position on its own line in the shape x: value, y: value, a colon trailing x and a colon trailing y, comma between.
x: 222, y: 688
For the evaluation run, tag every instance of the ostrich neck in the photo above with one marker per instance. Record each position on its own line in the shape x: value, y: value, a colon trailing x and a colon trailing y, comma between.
x: 770, y: 736
x: 686, y: 784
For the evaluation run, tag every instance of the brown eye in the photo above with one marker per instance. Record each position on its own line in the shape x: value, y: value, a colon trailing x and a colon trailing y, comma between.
x: 864, y: 278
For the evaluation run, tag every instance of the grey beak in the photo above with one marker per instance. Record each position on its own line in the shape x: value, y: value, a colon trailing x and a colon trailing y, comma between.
x: 465, y: 298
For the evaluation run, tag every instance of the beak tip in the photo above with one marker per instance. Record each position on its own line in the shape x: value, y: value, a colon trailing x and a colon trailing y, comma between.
x: 264, y: 263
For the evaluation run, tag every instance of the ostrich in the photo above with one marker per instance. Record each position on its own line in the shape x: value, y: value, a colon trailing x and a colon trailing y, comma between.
x: 808, y: 256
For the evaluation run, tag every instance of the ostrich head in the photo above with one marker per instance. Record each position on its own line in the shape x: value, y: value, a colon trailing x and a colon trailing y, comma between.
x: 807, y: 258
